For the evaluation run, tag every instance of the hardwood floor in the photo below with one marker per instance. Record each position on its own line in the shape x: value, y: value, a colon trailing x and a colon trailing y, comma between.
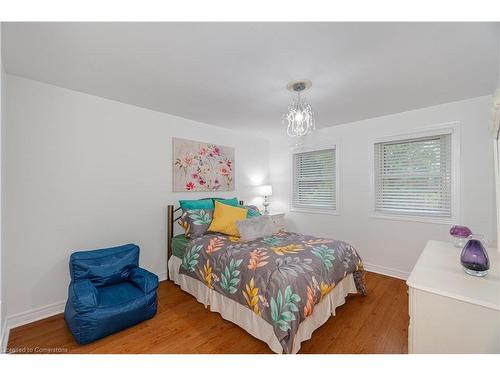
x: 376, y: 323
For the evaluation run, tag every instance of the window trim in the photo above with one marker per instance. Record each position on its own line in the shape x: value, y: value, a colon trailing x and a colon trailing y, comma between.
x: 338, y: 176
x: 452, y: 128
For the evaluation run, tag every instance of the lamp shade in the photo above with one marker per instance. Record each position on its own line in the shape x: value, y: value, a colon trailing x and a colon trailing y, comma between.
x: 265, y: 190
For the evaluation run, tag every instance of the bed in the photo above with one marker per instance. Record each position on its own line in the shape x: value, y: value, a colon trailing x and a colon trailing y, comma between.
x: 279, y: 288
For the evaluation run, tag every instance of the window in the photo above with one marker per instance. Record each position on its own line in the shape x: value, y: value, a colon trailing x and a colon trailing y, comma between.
x: 413, y: 177
x: 315, y: 180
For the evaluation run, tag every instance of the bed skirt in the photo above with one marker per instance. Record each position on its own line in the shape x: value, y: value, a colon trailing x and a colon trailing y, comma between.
x: 251, y: 322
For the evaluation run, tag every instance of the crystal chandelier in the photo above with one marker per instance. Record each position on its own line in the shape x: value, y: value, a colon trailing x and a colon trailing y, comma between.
x: 299, y: 118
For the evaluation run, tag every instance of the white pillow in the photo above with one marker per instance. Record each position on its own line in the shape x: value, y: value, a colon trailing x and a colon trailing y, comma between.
x: 256, y: 227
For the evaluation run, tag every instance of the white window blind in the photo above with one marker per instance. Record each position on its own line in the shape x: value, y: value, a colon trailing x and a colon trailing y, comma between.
x: 413, y: 177
x: 314, y: 180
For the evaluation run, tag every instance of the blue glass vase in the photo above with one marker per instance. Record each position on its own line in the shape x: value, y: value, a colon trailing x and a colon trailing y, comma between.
x: 474, y: 257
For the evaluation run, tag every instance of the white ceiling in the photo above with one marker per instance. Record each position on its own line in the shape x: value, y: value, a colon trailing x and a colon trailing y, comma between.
x: 234, y: 74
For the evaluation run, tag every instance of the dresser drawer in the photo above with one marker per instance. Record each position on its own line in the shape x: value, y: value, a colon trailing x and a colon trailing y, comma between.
x: 441, y: 325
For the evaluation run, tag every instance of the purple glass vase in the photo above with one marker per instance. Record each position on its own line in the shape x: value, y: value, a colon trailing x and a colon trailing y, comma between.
x: 460, y: 234
x: 474, y: 257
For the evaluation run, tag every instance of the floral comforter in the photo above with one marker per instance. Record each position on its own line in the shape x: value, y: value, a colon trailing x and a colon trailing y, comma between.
x: 279, y: 278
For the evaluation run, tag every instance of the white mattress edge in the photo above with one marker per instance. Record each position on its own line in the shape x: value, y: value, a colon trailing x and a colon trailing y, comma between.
x: 251, y: 322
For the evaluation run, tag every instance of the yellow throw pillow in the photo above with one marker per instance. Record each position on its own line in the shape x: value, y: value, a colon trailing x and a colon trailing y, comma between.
x: 225, y: 217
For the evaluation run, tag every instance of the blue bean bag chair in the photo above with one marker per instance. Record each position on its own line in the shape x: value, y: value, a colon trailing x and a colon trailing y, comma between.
x: 108, y: 292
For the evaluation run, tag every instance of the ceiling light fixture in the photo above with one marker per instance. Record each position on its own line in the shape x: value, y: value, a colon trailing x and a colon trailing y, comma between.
x: 299, y: 118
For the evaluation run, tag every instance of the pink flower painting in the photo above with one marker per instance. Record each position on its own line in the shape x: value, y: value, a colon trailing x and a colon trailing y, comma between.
x: 224, y: 171
x: 199, y: 166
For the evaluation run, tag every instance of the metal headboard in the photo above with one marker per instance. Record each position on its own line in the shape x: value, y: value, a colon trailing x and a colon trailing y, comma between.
x: 172, y: 212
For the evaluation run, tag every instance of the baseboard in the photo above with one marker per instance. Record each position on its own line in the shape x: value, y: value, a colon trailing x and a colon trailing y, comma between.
x: 162, y: 276
x: 4, y: 338
x: 33, y: 315
x: 403, y: 275
x: 29, y: 316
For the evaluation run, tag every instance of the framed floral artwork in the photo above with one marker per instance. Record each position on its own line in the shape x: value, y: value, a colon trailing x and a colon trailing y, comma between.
x: 199, y: 166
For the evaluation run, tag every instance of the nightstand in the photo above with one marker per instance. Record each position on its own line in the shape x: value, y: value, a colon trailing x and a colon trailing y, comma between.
x: 278, y: 219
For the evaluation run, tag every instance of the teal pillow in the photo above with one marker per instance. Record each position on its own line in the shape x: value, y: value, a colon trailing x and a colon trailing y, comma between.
x: 252, y: 211
x: 197, y: 204
x: 230, y: 202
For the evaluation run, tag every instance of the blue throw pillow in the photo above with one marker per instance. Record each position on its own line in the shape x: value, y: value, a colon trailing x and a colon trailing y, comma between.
x: 230, y: 202
x: 197, y: 204
x: 253, y: 211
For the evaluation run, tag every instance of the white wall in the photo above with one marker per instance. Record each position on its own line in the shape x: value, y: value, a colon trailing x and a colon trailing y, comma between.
x: 495, y: 125
x: 84, y: 172
x: 393, y: 246
x: 497, y: 91
x: 2, y: 123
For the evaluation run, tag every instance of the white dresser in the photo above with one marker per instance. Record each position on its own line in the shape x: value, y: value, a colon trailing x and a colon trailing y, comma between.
x: 450, y: 311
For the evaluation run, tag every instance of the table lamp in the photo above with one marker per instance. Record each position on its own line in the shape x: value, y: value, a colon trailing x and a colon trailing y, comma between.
x: 266, y: 191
